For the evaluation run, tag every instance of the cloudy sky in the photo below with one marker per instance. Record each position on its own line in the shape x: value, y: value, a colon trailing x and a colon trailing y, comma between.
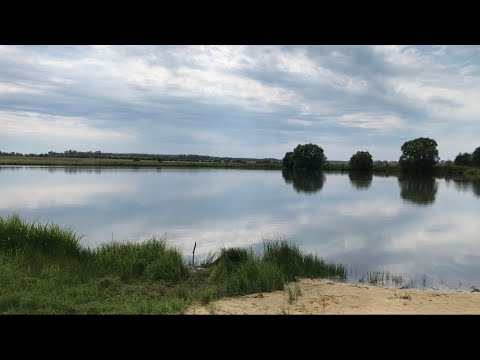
x: 240, y: 101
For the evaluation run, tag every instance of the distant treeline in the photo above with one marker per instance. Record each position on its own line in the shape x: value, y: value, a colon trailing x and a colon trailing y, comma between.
x: 419, y: 155
x: 469, y: 159
x: 138, y: 156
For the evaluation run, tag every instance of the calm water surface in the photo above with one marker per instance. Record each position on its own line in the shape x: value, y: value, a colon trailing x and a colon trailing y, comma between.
x: 426, y: 230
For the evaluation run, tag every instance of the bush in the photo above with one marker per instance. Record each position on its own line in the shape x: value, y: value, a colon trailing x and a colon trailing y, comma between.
x: 464, y: 159
x: 476, y: 157
x: 308, y: 156
x: 362, y: 160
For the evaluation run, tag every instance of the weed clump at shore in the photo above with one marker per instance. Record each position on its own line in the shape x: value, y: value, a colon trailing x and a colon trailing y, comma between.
x: 293, y: 263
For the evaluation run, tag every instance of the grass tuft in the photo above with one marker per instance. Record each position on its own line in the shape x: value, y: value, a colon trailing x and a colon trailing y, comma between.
x: 294, y: 264
x: 151, y: 259
x: 48, y: 240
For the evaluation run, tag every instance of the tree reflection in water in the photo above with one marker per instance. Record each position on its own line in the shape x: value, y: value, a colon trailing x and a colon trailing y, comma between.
x: 304, y: 180
x: 473, y: 186
x: 418, y: 189
x: 361, y: 180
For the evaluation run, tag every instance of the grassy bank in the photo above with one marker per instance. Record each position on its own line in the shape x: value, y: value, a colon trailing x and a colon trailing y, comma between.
x: 45, y: 270
x: 460, y: 173
x: 65, y: 161
x: 390, y: 169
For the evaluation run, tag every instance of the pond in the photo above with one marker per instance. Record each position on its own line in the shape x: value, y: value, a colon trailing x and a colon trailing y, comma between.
x: 398, y: 231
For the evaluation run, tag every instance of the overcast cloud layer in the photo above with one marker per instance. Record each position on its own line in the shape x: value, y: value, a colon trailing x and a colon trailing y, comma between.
x: 240, y: 101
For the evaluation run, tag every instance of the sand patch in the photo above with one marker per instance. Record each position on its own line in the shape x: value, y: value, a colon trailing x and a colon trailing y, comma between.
x: 320, y: 296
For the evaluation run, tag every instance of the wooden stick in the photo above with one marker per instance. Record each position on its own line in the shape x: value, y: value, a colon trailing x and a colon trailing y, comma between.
x: 193, y: 260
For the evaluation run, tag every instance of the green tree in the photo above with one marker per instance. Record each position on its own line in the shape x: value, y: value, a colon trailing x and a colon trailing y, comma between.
x: 464, y: 159
x: 288, y: 160
x: 308, y: 157
x: 476, y: 157
x: 362, y: 160
x: 419, y: 154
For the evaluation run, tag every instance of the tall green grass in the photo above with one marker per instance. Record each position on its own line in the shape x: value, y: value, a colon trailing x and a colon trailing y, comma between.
x: 45, y: 270
x: 245, y: 272
x: 240, y: 271
x: 151, y: 259
x: 293, y: 263
x: 49, y: 239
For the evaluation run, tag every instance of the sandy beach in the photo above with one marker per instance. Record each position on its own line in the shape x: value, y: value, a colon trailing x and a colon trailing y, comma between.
x: 321, y: 296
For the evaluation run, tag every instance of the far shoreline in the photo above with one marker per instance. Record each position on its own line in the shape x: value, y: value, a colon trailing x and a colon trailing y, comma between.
x: 454, y: 172
x: 130, y: 163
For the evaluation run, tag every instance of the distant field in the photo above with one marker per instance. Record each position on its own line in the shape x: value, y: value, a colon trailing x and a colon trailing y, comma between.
x: 55, y: 161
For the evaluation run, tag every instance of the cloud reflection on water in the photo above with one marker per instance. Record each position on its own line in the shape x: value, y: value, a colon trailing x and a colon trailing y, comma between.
x: 386, y: 227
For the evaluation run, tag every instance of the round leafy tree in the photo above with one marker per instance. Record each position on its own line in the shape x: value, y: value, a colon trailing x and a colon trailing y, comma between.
x: 476, y: 157
x: 419, y: 154
x: 308, y: 156
x: 288, y: 160
x: 362, y: 160
x: 464, y: 159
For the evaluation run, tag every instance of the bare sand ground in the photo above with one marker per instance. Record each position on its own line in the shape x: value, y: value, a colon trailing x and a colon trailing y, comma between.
x: 320, y: 296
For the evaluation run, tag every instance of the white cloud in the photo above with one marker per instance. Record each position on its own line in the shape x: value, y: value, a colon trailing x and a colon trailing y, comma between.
x: 374, y: 208
x: 225, y: 88
x: 422, y: 92
x: 216, y: 57
x: 59, y: 80
x: 34, y: 196
x: 403, y: 55
x: 23, y: 123
x: 299, y: 122
x: 370, y: 121
x: 440, y: 50
x: 443, y: 101
x: 208, y: 136
x: 458, y: 233
x: 206, y: 78
x: 296, y: 63
x: 209, y: 236
x: 6, y: 89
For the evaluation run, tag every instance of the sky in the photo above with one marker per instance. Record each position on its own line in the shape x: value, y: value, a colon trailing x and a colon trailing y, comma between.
x: 239, y: 101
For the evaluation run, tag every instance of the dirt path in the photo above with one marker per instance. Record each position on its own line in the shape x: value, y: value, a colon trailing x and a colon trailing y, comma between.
x: 322, y: 296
